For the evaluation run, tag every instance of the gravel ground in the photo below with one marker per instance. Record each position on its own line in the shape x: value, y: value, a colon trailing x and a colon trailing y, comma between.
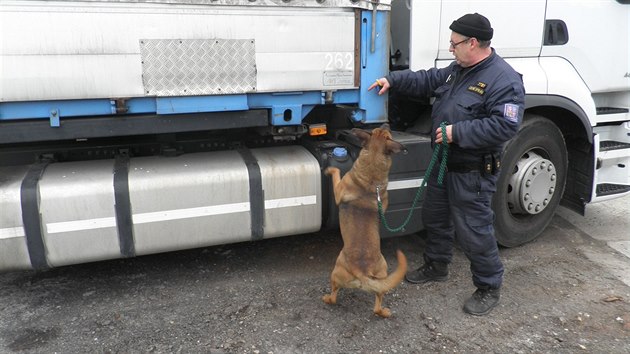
x: 265, y: 297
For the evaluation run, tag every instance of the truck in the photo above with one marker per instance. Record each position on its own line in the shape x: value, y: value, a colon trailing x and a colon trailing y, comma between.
x: 135, y: 127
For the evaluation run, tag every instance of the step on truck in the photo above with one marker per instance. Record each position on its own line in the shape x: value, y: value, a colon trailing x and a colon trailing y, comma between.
x: 137, y: 127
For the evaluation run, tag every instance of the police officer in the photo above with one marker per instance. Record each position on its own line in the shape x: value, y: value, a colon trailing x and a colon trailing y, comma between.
x: 481, y: 98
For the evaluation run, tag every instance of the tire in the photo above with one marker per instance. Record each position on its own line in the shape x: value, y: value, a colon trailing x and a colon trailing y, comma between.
x: 531, y: 183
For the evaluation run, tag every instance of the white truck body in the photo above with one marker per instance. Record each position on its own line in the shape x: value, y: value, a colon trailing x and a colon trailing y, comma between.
x: 99, y: 44
x: 130, y: 127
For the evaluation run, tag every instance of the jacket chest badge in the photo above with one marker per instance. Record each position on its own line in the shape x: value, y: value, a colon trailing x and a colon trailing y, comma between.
x: 478, y: 89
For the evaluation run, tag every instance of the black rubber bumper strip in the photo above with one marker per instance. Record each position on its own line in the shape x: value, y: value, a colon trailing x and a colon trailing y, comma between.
x: 122, y: 206
x: 31, y: 216
x: 256, y: 194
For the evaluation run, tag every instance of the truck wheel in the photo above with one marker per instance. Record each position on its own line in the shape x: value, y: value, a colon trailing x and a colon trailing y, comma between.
x: 531, y: 183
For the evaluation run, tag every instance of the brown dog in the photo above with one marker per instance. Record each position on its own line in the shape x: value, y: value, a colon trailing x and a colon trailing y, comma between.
x: 360, y: 263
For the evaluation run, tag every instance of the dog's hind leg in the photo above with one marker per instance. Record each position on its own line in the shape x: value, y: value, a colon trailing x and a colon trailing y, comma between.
x: 331, y: 298
x: 378, y: 309
x: 334, y: 287
x: 340, y: 278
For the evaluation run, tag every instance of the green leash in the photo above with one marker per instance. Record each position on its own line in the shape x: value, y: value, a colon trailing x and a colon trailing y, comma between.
x: 440, y: 179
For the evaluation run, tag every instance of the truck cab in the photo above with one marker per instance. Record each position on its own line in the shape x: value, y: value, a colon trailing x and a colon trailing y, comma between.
x: 577, y: 86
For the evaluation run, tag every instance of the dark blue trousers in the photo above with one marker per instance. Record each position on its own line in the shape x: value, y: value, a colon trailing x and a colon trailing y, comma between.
x: 461, y: 208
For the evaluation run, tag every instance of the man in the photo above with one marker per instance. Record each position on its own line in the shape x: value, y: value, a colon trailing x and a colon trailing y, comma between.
x: 482, y: 100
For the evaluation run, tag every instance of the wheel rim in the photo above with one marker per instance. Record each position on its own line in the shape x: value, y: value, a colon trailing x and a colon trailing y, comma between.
x: 532, y: 184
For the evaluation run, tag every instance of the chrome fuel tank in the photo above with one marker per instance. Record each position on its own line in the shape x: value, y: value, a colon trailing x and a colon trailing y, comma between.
x: 76, y: 212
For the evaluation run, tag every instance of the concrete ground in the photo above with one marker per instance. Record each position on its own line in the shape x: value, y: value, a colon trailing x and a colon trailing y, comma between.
x: 607, y: 221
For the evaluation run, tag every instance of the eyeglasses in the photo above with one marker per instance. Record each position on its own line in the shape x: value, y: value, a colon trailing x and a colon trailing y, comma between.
x: 453, y: 45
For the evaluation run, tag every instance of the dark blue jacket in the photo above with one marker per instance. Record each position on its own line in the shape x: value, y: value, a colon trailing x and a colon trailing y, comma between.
x: 484, y: 103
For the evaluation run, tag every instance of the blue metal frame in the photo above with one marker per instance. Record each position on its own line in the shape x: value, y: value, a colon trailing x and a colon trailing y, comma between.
x: 374, y: 65
x: 286, y: 108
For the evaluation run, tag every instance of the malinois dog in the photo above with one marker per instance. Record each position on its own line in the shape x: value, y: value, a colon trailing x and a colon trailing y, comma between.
x: 360, y: 263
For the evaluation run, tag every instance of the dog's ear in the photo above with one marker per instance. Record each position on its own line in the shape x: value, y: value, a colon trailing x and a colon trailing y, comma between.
x: 394, y: 147
x: 363, y: 135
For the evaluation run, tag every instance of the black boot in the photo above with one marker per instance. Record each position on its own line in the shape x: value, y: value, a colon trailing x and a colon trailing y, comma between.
x: 429, y: 271
x: 482, y: 301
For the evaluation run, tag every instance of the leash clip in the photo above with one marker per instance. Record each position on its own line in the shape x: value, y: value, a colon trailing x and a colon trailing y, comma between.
x: 378, y: 193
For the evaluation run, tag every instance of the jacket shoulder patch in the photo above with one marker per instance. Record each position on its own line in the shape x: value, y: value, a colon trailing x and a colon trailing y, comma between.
x: 510, y: 112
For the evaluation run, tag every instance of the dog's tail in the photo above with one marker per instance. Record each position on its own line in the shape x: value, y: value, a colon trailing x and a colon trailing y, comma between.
x: 392, y: 280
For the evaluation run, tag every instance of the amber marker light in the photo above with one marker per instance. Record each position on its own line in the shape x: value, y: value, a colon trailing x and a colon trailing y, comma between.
x: 317, y: 129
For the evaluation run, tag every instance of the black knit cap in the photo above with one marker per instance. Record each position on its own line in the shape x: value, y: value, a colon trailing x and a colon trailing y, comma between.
x: 473, y: 25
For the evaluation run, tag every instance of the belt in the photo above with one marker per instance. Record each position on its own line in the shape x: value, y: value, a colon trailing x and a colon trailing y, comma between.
x: 488, y: 164
x: 463, y: 167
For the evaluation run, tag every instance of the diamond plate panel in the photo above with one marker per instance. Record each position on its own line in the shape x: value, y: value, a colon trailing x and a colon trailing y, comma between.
x: 188, y: 67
